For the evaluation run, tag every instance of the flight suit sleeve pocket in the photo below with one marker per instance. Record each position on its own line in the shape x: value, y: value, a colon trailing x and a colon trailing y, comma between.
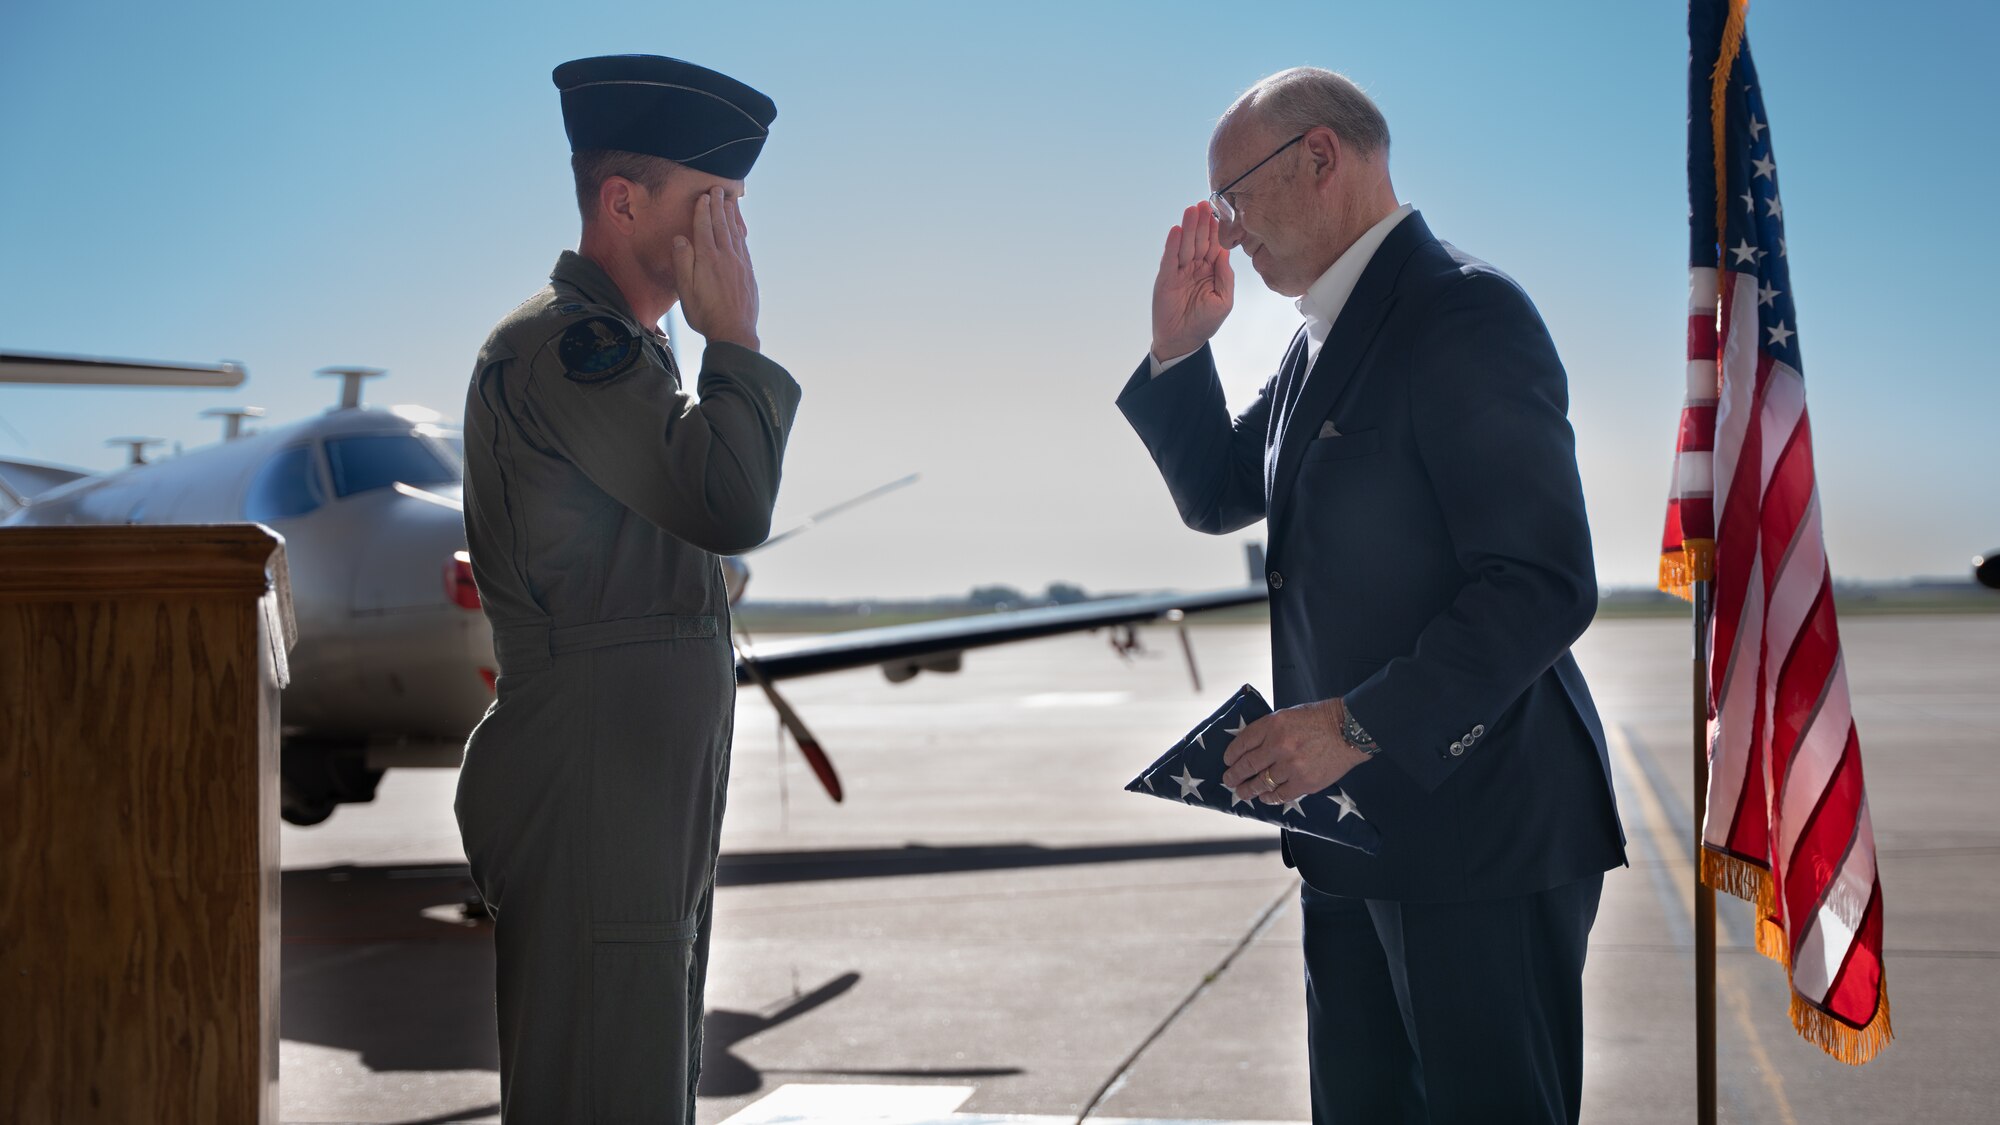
x: 1342, y: 446
x: 642, y: 1038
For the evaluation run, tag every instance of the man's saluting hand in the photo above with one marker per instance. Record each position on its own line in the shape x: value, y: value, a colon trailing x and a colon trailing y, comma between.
x: 718, y: 287
x: 1195, y: 288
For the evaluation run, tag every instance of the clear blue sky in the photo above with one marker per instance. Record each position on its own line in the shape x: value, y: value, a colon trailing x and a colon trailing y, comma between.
x: 956, y: 223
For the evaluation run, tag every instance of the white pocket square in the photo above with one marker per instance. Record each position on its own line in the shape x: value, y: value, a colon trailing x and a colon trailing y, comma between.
x: 1326, y: 430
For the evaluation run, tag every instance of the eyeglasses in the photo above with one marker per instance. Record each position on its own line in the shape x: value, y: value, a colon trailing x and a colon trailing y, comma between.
x: 1225, y: 209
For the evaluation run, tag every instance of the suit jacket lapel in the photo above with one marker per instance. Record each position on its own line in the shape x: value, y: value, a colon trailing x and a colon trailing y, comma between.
x: 1367, y: 307
x: 1291, y: 373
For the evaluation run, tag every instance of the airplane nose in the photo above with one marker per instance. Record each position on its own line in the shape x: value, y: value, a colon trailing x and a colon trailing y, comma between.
x: 404, y: 541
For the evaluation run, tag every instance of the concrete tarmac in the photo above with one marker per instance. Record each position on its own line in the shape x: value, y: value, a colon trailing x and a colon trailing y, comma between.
x: 990, y: 929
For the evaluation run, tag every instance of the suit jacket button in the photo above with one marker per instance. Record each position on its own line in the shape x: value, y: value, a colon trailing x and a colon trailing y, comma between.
x: 1479, y: 731
x: 1457, y: 748
x: 1277, y: 580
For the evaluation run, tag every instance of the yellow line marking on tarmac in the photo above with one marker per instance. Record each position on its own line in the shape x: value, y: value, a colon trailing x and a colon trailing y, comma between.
x: 1677, y: 853
x: 1739, y: 1002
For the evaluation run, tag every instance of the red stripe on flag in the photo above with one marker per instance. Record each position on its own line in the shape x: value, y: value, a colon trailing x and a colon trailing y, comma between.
x: 1701, y: 335
x: 1822, y: 847
x: 1802, y: 679
x: 1857, y: 987
x: 1787, y: 496
x: 1735, y: 545
x: 1697, y: 429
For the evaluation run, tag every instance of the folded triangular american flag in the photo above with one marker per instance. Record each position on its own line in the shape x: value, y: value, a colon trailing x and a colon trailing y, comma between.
x: 1191, y: 774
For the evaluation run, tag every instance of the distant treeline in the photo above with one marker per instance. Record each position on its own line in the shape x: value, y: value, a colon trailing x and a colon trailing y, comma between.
x: 1917, y: 596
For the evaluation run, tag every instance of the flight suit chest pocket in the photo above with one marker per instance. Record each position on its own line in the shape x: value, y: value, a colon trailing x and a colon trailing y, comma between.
x: 1341, y: 447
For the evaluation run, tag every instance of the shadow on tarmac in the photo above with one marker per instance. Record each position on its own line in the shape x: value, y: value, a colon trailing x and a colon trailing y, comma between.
x: 741, y: 869
x: 381, y: 960
x: 725, y: 1075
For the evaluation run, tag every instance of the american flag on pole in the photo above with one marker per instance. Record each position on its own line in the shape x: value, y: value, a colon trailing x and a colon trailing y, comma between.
x: 1787, y: 824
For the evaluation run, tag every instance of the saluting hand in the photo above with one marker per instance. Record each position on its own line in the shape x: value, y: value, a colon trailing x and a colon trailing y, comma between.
x: 1195, y: 288
x: 718, y: 287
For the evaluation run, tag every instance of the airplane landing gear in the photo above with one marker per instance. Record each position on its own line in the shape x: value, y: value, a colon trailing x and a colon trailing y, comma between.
x: 314, y: 777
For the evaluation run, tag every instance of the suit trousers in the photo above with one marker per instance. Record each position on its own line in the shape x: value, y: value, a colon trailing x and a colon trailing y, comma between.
x: 591, y: 806
x: 1437, y: 1013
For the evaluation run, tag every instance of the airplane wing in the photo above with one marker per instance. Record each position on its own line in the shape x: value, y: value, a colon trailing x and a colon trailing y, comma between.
x: 910, y: 648
x: 29, y: 367
x: 22, y: 480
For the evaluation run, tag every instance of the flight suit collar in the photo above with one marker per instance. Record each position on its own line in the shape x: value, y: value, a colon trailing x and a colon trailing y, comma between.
x: 589, y: 278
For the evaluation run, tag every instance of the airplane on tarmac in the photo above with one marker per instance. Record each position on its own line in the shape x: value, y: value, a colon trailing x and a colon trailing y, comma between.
x: 394, y: 661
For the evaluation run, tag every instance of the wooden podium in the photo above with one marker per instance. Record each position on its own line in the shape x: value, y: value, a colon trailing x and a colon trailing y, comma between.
x: 139, y: 677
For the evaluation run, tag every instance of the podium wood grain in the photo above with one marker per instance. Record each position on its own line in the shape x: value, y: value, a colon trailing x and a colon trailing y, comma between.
x: 139, y: 671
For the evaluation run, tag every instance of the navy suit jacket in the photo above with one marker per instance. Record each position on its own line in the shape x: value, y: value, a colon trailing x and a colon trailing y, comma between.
x: 1429, y: 561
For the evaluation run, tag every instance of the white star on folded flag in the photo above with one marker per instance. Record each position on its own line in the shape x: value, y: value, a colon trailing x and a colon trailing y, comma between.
x: 1194, y: 759
x: 1347, y: 806
x: 1190, y: 784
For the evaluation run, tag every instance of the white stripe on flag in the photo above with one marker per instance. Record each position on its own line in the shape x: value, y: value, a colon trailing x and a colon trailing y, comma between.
x: 1697, y: 474
x: 1832, y: 928
x: 1733, y: 414
x: 1799, y: 581
x: 1818, y: 756
x: 1702, y: 290
x: 1730, y: 731
x: 1701, y: 382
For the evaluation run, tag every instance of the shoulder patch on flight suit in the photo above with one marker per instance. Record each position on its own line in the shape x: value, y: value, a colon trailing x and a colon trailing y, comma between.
x: 596, y: 350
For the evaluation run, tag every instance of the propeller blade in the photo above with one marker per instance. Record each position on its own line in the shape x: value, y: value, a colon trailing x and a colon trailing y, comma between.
x: 812, y: 521
x: 822, y: 766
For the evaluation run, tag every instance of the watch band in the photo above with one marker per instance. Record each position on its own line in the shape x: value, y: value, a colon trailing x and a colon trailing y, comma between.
x: 1350, y: 730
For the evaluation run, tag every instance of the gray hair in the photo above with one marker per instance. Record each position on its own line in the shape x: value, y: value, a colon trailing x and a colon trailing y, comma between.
x: 1306, y: 97
x: 593, y: 166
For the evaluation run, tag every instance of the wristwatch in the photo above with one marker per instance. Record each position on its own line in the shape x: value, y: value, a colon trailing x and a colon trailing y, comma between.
x: 1350, y: 730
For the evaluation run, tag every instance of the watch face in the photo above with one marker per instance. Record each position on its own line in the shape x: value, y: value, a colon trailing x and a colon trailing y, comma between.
x: 1350, y: 729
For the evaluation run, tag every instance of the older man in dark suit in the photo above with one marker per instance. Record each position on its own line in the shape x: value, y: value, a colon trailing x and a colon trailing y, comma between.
x: 1430, y: 567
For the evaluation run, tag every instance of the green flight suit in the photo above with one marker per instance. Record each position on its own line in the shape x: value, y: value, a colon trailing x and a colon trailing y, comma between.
x: 598, y: 494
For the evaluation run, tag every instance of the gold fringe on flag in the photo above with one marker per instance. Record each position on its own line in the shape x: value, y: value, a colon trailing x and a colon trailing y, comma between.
x: 1680, y: 570
x: 1718, y: 90
x: 1695, y: 562
x: 1753, y: 884
x: 1839, y: 1040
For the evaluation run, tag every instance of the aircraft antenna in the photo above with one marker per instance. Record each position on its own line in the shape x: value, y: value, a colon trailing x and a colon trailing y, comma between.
x: 232, y: 418
x: 350, y: 383
x: 137, y: 445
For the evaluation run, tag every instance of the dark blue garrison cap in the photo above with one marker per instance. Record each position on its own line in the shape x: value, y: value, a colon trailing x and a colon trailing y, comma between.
x: 665, y: 107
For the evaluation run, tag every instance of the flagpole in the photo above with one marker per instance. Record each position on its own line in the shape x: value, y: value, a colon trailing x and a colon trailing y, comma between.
x: 1704, y: 896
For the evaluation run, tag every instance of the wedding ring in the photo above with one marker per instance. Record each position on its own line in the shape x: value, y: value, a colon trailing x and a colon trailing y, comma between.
x: 1269, y: 784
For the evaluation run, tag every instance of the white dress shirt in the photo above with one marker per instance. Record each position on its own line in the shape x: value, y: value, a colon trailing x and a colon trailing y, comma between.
x: 1322, y: 303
